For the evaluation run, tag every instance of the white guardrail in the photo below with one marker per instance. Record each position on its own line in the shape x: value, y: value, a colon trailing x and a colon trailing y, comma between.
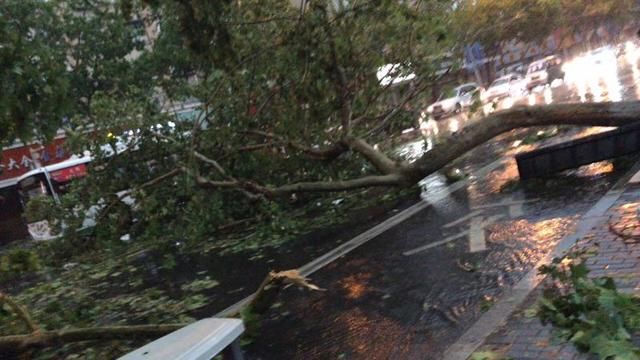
x: 201, y: 340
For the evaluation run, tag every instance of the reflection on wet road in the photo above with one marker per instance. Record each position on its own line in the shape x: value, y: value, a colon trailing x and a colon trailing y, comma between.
x: 413, y: 290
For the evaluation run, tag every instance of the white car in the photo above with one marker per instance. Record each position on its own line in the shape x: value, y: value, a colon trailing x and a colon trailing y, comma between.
x: 518, y: 68
x: 544, y: 71
x: 511, y: 85
x: 453, y: 101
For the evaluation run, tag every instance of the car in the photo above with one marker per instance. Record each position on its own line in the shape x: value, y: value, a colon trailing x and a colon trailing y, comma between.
x: 544, y: 71
x: 453, y: 101
x: 505, y: 86
x: 517, y: 68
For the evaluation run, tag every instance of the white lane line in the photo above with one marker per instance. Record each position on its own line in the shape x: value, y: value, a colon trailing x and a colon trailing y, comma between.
x: 361, y: 239
x: 492, y: 220
x: 462, y: 219
x: 635, y: 178
x: 515, y: 211
x: 504, y: 203
x: 476, y: 235
x: 477, y: 240
x: 437, y: 243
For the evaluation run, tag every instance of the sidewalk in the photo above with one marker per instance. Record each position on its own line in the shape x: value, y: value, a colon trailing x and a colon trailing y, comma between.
x: 523, y: 337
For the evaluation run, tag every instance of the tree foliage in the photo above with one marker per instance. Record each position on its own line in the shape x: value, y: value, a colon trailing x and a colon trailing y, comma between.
x: 590, y: 313
x: 283, y: 89
x: 491, y: 22
x: 33, y: 80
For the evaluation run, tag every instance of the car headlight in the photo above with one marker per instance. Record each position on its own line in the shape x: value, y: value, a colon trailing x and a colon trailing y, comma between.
x: 430, y: 109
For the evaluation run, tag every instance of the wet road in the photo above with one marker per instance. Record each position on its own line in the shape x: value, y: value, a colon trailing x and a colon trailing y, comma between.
x: 396, y: 297
x: 413, y: 290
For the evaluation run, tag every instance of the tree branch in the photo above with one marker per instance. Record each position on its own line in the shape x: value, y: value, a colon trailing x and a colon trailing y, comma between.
x: 12, y: 343
x: 326, y: 153
x: 20, y: 311
x: 263, y: 298
x: 341, y: 84
x: 211, y: 162
x: 124, y: 194
x: 254, y: 147
x: 392, y: 113
x: 395, y: 179
x: 377, y: 158
x: 451, y: 147
x: 159, y: 179
x: 254, y: 190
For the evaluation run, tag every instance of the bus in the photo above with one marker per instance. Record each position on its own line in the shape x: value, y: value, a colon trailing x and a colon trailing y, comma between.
x: 51, y: 181
x: 54, y: 180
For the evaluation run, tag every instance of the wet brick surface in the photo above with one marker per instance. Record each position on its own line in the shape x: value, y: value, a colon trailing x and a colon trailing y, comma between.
x: 524, y: 337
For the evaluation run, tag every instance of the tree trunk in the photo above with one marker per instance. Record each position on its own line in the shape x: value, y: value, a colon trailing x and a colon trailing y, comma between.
x: 18, y: 343
x: 483, y: 130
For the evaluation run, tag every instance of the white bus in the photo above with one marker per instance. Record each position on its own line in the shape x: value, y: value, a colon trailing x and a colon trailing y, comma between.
x: 52, y: 181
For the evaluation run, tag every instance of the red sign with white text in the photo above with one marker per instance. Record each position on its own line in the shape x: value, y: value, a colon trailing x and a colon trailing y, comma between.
x: 66, y: 174
x: 18, y: 160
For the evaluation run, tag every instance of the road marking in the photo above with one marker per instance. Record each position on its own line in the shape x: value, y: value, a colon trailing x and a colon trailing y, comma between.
x: 506, y: 202
x: 635, y: 178
x: 515, y: 211
x: 462, y: 219
x: 475, y: 232
x: 477, y: 240
x: 437, y: 243
x: 354, y: 243
x: 476, y: 235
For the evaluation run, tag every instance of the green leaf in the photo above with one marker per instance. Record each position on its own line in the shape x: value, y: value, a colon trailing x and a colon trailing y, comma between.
x: 579, y: 270
x: 547, y: 304
x: 485, y: 355
x: 531, y: 312
x: 616, y: 349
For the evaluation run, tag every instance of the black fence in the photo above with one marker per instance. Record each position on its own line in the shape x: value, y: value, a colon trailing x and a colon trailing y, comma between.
x: 572, y: 154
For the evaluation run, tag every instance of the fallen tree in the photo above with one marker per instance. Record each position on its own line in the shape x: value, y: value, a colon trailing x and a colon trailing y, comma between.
x: 395, y: 173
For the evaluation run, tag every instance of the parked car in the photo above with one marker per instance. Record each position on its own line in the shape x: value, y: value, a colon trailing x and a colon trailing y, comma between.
x: 453, y: 101
x: 509, y: 85
x: 544, y: 71
x: 517, y: 68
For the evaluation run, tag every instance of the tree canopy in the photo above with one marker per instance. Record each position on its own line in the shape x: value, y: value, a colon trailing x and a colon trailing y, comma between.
x: 491, y: 22
x: 33, y: 79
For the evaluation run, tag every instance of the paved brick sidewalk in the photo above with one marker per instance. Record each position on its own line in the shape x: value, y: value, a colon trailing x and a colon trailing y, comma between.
x: 523, y: 337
